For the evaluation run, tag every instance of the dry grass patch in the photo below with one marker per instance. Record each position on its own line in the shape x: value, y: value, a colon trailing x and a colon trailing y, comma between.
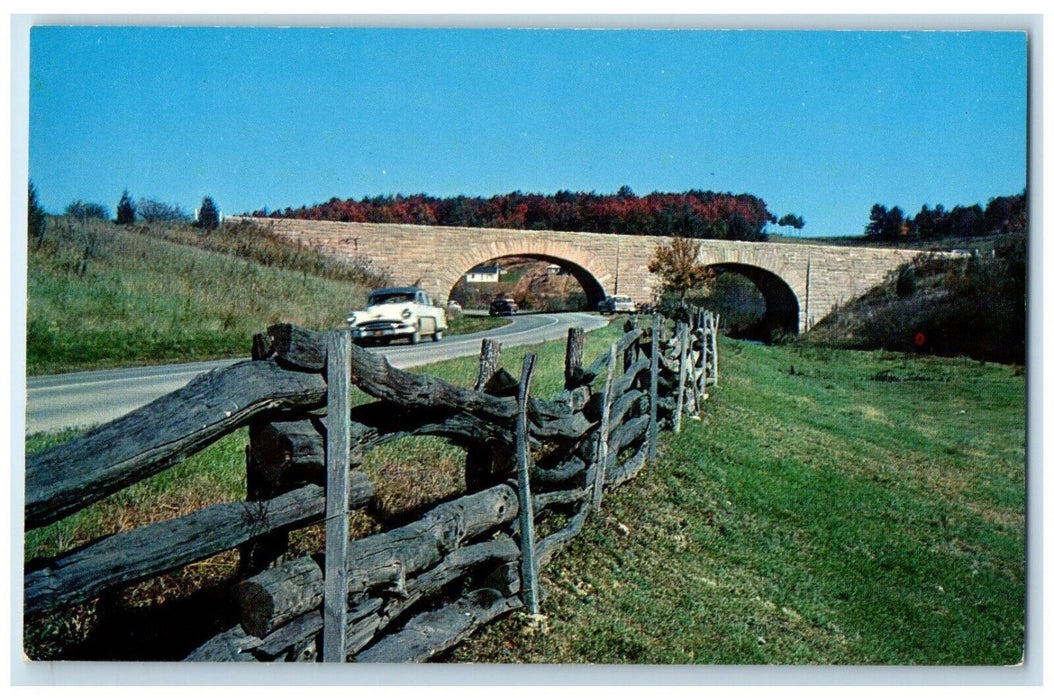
x: 412, y: 474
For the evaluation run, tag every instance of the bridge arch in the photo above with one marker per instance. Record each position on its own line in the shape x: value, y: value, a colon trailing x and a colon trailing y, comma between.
x: 589, y: 271
x: 782, y: 309
x: 592, y: 289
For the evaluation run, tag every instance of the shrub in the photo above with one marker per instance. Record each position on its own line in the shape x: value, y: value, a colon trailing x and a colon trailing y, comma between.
x: 906, y: 284
x: 87, y: 210
x: 153, y: 211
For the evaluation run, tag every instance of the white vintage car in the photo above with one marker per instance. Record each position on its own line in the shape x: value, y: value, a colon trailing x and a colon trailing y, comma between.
x: 398, y: 312
x: 618, y: 304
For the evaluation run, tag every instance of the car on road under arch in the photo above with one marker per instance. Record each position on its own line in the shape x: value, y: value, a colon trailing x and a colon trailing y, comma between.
x: 503, y: 306
x: 617, y: 304
x: 398, y: 312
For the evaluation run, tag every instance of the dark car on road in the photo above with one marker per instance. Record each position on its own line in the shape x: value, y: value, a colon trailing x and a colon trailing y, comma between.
x: 503, y: 307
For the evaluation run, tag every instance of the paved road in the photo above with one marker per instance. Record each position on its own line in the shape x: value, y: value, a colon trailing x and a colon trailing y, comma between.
x: 56, y: 402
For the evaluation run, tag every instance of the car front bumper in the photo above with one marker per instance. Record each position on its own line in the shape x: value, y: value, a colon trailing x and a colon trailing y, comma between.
x: 395, y: 331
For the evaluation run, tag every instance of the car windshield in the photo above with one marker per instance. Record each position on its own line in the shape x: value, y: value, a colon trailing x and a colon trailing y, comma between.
x: 390, y: 298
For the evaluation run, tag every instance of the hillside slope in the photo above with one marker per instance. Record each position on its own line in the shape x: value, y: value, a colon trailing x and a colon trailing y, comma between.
x: 972, y: 305
x: 100, y: 295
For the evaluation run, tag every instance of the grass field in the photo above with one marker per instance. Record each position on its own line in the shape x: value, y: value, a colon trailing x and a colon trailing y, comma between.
x: 143, y: 300
x: 146, y: 296
x: 831, y: 507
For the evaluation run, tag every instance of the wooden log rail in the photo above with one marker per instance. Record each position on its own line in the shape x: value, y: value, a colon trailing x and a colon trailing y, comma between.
x: 136, y: 555
x: 596, y: 434
x: 71, y: 476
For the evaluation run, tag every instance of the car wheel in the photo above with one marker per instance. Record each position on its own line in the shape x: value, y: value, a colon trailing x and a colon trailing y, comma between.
x: 437, y: 336
x: 416, y: 337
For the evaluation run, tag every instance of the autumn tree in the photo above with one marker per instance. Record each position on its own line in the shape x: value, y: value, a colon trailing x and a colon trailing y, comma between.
x: 679, y: 269
x: 1006, y: 214
x: 695, y: 213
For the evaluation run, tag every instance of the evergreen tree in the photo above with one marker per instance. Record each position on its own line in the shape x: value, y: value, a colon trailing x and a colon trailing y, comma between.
x: 885, y: 224
x: 792, y: 220
x: 125, y: 210
x: 925, y: 222
x: 37, y: 220
x: 208, y: 215
x: 877, y: 222
x: 893, y: 227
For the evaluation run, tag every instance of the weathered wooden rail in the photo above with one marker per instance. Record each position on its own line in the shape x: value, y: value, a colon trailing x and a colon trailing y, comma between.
x: 406, y: 594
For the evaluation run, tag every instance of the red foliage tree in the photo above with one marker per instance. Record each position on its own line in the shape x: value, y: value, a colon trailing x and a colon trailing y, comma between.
x: 693, y: 214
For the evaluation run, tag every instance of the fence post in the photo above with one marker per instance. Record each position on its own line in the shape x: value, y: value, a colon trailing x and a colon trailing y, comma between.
x: 691, y: 380
x: 259, y: 553
x: 653, y: 389
x: 629, y: 355
x: 338, y: 449
x: 605, y: 429
x: 682, y: 336
x: 704, y: 358
x: 573, y: 357
x: 489, y: 357
x: 479, y: 458
x: 528, y: 565
x: 699, y: 366
x: 715, y: 325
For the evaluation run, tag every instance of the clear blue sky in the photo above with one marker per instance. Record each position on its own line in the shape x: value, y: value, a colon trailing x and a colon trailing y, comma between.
x: 821, y: 124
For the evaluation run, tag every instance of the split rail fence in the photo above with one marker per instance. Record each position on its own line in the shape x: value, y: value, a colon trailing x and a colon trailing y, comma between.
x: 412, y: 592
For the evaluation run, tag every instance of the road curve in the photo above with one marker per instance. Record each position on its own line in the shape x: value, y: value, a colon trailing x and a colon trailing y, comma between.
x: 59, y: 401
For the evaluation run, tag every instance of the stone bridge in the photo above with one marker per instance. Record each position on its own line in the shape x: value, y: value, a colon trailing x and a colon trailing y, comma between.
x: 801, y: 283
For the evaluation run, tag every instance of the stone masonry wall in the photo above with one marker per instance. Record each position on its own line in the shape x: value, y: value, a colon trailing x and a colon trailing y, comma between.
x: 435, y: 257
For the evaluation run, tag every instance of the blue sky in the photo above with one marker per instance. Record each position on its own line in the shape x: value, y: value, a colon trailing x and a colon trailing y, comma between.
x: 818, y: 123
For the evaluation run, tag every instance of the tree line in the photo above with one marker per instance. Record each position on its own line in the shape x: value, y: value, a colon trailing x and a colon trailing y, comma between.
x: 1008, y: 214
x: 151, y: 211
x: 129, y: 211
x: 693, y: 214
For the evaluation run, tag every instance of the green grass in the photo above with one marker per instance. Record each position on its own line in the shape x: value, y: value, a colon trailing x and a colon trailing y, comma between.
x: 831, y: 507
x: 143, y: 300
x: 862, y: 508
x: 94, y: 630
x: 214, y: 475
x: 463, y: 325
x: 147, y: 296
